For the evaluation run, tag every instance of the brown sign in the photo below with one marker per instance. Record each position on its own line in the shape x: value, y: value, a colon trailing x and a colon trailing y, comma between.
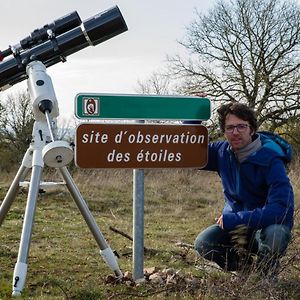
x: 141, y: 146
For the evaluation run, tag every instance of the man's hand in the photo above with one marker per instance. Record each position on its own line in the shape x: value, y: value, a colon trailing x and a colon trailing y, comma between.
x: 219, y: 221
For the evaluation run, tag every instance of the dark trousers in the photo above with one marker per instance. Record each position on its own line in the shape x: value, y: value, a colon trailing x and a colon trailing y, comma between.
x: 217, y: 244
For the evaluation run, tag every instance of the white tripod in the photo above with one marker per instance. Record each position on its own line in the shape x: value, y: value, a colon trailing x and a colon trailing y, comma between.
x: 45, y: 150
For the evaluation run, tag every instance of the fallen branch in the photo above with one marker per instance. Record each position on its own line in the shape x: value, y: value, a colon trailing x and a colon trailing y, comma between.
x: 123, y: 234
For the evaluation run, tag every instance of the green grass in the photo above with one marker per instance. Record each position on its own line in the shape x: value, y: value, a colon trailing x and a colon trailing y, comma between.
x: 64, y: 260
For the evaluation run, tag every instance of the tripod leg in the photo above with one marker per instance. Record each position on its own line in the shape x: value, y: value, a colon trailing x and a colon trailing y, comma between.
x: 12, y: 192
x: 105, y: 251
x: 14, y: 187
x: 20, y: 270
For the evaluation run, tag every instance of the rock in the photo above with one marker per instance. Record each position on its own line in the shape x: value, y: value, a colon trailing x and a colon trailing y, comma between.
x: 150, y: 271
x: 129, y: 283
x: 156, y: 278
x: 169, y: 271
x: 171, y: 279
x: 191, y: 281
x: 127, y: 276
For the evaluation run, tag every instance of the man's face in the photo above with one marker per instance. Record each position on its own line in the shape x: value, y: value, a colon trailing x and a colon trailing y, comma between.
x: 238, y: 132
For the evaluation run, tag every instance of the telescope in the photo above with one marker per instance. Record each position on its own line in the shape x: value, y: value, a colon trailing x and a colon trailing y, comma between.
x: 55, y: 41
x: 29, y: 59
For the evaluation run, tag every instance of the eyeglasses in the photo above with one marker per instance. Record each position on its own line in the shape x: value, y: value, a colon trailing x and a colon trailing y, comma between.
x: 240, y: 128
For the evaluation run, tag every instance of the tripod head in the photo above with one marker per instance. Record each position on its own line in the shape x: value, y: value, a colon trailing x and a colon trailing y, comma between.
x: 54, y: 42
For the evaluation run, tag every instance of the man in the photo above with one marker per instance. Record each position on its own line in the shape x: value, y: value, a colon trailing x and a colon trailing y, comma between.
x: 258, y: 214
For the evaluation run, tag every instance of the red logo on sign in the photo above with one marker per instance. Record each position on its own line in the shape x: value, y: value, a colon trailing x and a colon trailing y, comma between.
x: 91, y: 106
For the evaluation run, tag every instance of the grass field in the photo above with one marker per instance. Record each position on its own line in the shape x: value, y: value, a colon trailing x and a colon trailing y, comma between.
x: 64, y: 260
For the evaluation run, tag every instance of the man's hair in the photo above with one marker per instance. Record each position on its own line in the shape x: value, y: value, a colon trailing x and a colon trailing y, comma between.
x: 241, y: 111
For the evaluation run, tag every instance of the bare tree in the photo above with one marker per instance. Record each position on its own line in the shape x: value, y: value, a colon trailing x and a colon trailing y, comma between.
x: 156, y: 84
x: 246, y: 51
x: 16, y: 121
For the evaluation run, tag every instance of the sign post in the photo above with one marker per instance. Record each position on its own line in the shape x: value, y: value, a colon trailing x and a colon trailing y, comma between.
x: 138, y: 222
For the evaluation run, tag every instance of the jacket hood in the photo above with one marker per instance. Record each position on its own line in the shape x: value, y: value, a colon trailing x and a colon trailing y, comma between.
x: 269, y: 150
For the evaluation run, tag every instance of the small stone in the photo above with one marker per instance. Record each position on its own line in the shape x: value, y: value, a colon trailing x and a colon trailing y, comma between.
x: 129, y: 283
x: 156, y: 278
x: 169, y: 271
x: 127, y: 276
x: 191, y: 281
x: 150, y: 271
x: 171, y: 279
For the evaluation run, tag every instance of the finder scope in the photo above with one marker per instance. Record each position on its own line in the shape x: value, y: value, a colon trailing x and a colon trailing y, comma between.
x: 54, y: 42
x: 40, y: 35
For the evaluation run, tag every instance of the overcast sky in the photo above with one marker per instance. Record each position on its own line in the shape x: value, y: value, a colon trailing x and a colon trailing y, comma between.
x: 115, y: 66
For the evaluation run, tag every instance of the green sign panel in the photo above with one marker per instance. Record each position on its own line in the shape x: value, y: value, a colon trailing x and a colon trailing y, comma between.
x: 143, y: 107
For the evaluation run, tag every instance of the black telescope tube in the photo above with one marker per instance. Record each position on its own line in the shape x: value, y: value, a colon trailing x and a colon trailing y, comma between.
x: 92, y: 32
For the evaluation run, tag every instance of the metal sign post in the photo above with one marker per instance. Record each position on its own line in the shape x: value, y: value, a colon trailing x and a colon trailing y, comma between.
x: 138, y: 224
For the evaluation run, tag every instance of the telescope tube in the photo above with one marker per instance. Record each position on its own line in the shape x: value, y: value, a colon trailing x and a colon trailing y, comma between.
x: 92, y: 32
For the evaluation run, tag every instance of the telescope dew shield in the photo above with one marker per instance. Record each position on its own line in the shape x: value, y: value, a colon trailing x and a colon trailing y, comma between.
x: 104, y: 26
x: 93, y: 31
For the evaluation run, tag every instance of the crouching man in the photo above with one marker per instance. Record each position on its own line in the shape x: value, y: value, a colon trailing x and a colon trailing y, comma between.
x: 259, y: 201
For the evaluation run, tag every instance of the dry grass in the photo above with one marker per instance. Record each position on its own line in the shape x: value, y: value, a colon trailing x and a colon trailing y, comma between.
x: 64, y: 262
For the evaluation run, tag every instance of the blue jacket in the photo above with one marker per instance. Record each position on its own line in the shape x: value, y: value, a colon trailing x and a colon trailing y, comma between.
x: 257, y: 191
